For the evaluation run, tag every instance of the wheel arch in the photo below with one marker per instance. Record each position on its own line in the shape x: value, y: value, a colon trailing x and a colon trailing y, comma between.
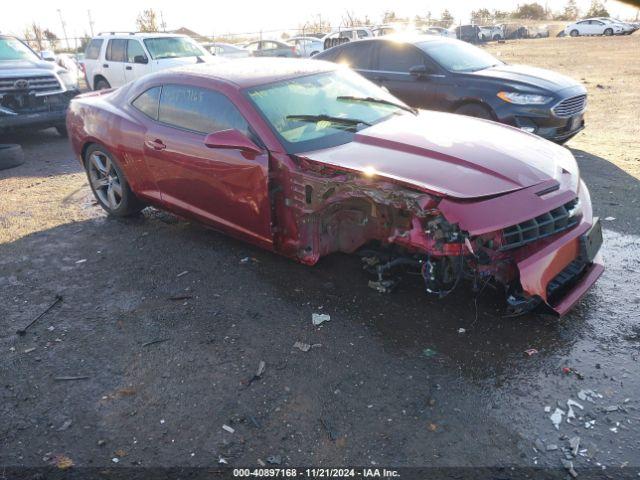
x: 474, y: 101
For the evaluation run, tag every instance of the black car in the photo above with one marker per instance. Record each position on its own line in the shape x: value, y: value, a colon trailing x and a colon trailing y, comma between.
x: 438, y: 73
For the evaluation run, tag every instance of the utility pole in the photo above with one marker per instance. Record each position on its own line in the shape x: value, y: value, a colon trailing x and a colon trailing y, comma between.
x: 163, y: 25
x: 64, y: 29
x: 90, y: 22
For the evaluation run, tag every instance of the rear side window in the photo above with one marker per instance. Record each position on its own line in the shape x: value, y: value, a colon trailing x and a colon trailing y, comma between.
x: 134, y: 49
x: 356, y: 55
x: 199, y: 110
x: 116, y: 50
x: 93, y: 49
x: 148, y: 102
x: 398, y: 57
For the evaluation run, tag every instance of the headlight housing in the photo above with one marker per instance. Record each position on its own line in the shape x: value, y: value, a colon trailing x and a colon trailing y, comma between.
x: 69, y: 80
x: 523, y: 98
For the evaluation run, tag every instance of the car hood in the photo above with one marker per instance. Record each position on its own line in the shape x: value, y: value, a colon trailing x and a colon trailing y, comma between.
x: 522, y: 74
x: 451, y: 155
x: 13, y: 68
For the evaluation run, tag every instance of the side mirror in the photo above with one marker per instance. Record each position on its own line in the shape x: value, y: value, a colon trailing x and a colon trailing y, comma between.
x: 231, y: 139
x: 140, y: 59
x: 419, y: 70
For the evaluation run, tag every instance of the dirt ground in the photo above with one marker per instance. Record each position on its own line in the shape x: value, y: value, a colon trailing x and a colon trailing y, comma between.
x: 160, y: 359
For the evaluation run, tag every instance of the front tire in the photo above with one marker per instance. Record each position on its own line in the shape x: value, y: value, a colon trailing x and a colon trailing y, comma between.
x: 108, y: 183
x: 574, y: 33
x: 102, y: 84
x: 475, y: 110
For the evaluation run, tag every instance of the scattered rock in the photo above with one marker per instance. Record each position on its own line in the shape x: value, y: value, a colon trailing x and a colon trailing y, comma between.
x: 305, y: 347
x: 228, y: 428
x: 65, y: 425
x: 556, y: 418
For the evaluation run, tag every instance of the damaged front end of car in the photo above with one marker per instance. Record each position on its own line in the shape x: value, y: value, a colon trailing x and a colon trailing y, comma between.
x: 529, y: 243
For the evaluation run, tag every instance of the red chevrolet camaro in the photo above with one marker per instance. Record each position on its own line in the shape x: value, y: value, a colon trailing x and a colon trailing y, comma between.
x: 306, y: 158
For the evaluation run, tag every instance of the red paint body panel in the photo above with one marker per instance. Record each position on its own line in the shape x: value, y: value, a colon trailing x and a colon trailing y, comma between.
x: 449, y: 154
x: 387, y: 184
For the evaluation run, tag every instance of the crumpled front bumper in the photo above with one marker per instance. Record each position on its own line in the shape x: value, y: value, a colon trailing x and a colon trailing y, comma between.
x: 563, y: 259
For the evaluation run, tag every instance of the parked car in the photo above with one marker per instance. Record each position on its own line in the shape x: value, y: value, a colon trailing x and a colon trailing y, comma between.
x: 468, y: 33
x: 306, y: 46
x: 33, y: 93
x: 305, y: 159
x: 345, y: 35
x: 113, y: 59
x: 226, y: 50
x: 449, y: 75
x: 592, y: 26
x: 271, y: 48
x: 511, y: 31
x: 538, y: 31
x: 48, y: 56
x: 382, y: 30
x: 443, y: 32
x: 488, y: 32
x: 627, y: 28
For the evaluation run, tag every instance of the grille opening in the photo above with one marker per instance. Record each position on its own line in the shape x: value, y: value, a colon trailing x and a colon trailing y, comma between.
x: 570, y: 106
x: 565, y: 280
x: 544, y: 225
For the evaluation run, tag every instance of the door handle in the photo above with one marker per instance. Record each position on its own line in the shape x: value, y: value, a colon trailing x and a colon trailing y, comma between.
x: 156, y: 144
x: 105, y: 65
x: 128, y: 67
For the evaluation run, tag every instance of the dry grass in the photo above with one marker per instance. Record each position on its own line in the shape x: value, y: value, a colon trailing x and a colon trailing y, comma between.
x: 610, y: 69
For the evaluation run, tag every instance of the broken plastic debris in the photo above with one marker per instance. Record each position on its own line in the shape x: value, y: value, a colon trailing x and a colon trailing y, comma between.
x: 570, y: 412
x: 82, y: 260
x: 531, y: 351
x: 611, y: 408
x: 222, y: 461
x: 305, y: 347
x: 589, y: 395
x: 261, y: 367
x: 556, y: 418
x: 228, y: 428
x: 574, y: 443
x: 589, y: 424
x: 274, y: 459
x: 609, y: 219
x: 461, y: 330
x: 428, y: 352
x: 547, y: 409
x: 568, y: 465
x: 248, y: 260
x: 320, y: 318
x: 182, y: 274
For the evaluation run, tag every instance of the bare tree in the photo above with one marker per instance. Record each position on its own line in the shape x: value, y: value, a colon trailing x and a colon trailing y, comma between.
x: 34, y: 36
x: 51, y: 37
x: 147, y: 21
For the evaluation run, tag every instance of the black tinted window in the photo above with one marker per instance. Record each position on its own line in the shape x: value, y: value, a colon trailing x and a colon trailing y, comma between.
x: 93, y: 49
x: 148, y: 102
x: 116, y: 50
x: 134, y: 49
x: 398, y: 57
x: 356, y: 55
x: 199, y: 110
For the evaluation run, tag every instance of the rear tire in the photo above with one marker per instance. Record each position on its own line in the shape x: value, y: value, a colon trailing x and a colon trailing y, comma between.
x: 11, y: 155
x: 475, y: 110
x: 102, y: 84
x: 574, y: 33
x: 608, y: 32
x: 108, y: 183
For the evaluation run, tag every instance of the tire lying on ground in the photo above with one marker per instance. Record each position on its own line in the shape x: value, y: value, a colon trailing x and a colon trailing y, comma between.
x: 11, y: 156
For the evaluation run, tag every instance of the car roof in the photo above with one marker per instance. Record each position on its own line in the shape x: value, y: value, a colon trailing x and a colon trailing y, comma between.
x: 253, y: 71
x: 401, y: 37
x: 139, y: 35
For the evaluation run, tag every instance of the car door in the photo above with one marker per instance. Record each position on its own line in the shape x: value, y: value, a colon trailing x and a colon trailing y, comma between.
x: 358, y: 56
x: 137, y: 61
x: 392, y: 65
x: 254, y: 48
x: 224, y: 187
x: 113, y: 66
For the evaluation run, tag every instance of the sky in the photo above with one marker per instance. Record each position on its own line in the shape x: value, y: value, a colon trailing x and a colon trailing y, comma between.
x: 218, y: 17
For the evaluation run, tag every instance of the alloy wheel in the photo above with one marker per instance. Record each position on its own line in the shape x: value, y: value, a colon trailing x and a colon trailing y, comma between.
x: 105, y: 180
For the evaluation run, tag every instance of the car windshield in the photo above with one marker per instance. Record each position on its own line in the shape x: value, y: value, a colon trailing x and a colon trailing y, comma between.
x: 322, y: 110
x: 14, y: 49
x: 172, y: 47
x: 458, y: 56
